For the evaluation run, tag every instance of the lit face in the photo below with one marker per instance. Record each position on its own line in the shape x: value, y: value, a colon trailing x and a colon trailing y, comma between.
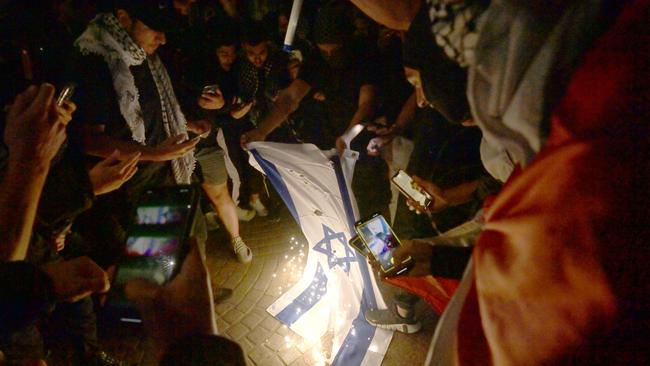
x: 183, y: 6
x: 257, y: 54
x: 142, y: 35
x: 226, y: 56
x: 146, y: 37
x: 413, y: 77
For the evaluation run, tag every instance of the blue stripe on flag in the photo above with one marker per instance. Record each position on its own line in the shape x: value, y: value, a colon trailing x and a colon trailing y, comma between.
x: 306, y: 300
x: 356, y: 343
x: 276, y: 179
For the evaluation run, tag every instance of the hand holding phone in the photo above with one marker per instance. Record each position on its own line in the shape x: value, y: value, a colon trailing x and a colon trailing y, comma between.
x: 66, y: 93
x: 381, y: 242
x: 211, y: 97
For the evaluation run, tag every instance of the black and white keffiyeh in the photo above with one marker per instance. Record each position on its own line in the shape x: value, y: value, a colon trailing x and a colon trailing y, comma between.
x: 106, y: 37
x: 455, y: 27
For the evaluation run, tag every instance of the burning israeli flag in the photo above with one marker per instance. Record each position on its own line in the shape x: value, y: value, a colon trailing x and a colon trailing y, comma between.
x: 337, y: 285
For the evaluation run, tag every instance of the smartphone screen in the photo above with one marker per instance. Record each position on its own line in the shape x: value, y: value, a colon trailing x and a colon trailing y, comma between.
x: 157, y: 242
x: 410, y: 189
x: 380, y: 240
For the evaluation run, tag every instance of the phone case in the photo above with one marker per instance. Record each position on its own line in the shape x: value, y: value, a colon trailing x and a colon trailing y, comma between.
x: 405, y: 184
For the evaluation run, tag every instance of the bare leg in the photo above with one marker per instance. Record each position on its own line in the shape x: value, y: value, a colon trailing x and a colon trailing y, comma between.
x: 220, y: 198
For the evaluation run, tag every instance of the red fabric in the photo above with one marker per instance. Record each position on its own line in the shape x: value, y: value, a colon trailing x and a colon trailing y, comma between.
x: 435, y: 291
x: 561, y: 270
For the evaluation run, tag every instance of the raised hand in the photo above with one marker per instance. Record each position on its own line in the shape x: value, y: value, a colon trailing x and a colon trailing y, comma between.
x: 36, y: 126
x: 212, y: 101
x: 174, y: 147
x: 110, y: 173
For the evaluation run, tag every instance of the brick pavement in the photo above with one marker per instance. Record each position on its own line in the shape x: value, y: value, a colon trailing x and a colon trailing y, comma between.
x: 276, y: 266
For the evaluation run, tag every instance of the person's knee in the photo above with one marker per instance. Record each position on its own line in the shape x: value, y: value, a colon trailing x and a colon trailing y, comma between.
x: 220, y: 192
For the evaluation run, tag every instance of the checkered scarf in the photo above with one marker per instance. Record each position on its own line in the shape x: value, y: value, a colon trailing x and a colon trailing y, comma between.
x: 106, y: 37
x: 455, y: 27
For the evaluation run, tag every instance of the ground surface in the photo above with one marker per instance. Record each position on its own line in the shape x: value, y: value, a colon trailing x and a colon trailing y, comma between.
x: 275, y: 267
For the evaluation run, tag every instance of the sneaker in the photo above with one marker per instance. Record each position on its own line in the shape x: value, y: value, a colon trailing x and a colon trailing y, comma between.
x: 387, y: 319
x: 259, y: 207
x: 243, y: 252
x: 245, y: 214
x: 221, y: 294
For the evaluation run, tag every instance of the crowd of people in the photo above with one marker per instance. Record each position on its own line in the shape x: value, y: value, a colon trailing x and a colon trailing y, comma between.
x: 524, y: 119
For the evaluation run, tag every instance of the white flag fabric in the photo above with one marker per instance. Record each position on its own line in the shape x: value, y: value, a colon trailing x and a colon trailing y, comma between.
x: 337, y: 285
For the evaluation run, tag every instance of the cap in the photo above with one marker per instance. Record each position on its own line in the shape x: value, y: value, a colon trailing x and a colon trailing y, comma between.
x: 158, y: 15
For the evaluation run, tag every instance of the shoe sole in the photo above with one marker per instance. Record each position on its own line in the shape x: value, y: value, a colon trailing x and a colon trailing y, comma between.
x: 404, y: 328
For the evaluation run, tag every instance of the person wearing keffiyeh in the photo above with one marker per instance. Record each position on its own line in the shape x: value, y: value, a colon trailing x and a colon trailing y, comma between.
x: 126, y: 101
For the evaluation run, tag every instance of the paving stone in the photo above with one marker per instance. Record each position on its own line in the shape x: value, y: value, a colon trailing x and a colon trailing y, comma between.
x: 253, y: 295
x: 265, y: 301
x: 286, y: 331
x: 245, y: 306
x: 260, y: 355
x: 221, y: 324
x: 299, y: 362
x: 237, y: 331
x: 275, y: 342
x: 246, y: 345
x: 259, y: 335
x: 270, y: 323
x: 223, y: 308
x: 288, y: 355
x: 251, y: 320
x: 233, y: 316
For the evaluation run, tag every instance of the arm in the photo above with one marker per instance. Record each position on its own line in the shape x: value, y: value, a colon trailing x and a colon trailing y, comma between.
x: 406, y: 115
x: 365, y: 109
x: 393, y: 14
x: 366, y: 105
x: 287, y: 102
x: 386, y: 135
x: 34, y: 132
x: 97, y: 144
x: 19, y: 196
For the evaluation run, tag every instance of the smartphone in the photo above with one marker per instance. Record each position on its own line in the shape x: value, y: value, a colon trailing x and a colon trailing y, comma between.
x: 156, y: 244
x: 411, y: 190
x: 66, y: 93
x: 210, y: 89
x: 358, y: 245
x: 381, y: 242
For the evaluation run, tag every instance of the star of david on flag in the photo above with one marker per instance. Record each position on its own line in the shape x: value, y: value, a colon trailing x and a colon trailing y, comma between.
x: 337, y: 285
x: 325, y: 246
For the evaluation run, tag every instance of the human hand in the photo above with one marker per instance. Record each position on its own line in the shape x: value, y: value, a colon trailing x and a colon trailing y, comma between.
x: 59, y: 241
x: 180, y: 308
x: 200, y: 127
x: 251, y: 136
x: 341, y: 145
x: 376, y: 144
x: 110, y: 173
x: 35, y: 126
x: 240, y: 110
x: 212, y: 101
x: 438, y: 203
x: 77, y: 278
x: 418, y: 265
x: 174, y: 147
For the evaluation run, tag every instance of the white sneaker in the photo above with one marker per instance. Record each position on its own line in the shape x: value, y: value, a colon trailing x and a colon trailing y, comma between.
x: 259, y: 207
x: 243, y: 252
x: 244, y: 214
